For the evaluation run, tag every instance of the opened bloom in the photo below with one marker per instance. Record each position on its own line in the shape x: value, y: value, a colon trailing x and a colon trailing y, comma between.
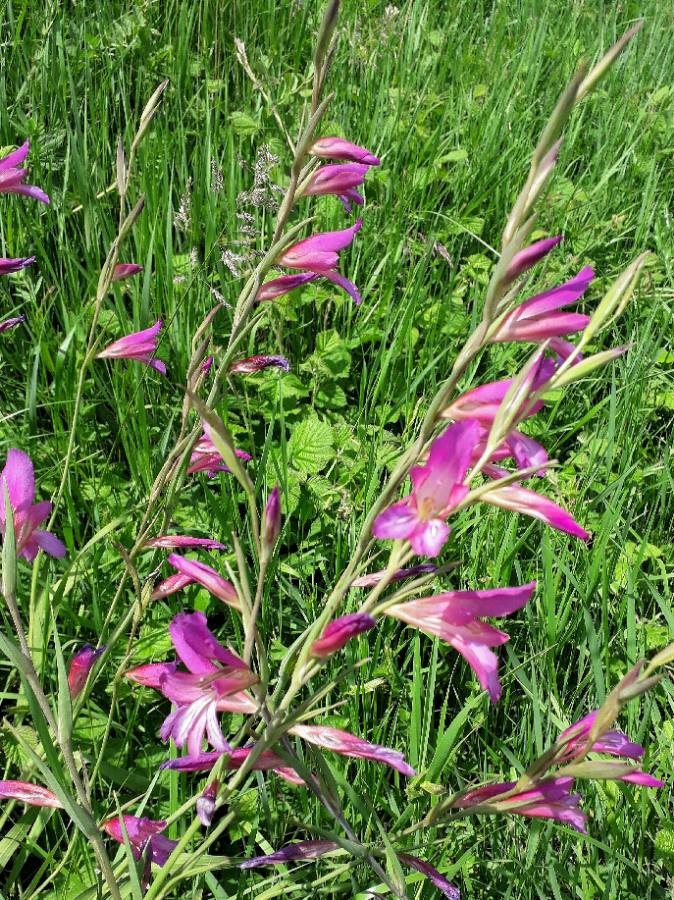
x: 206, y: 577
x: 19, y: 478
x: 338, y: 148
x: 33, y: 794
x: 125, y: 270
x: 541, y: 317
x: 142, y: 834
x: 140, y: 346
x: 341, y: 180
x: 258, y: 363
x: 437, y: 488
x: 7, y: 266
x: 338, y: 633
x: 206, y: 458
x: 80, y: 666
x: 12, y: 177
x: 550, y: 799
x: 349, y: 745
x: 319, y: 254
x: 456, y: 617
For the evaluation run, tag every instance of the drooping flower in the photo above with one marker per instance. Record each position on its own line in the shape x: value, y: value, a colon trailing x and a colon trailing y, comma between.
x: 271, y: 523
x: 182, y: 541
x: 541, y: 317
x: 573, y: 741
x: 19, y: 477
x: 257, y: 364
x: 277, y: 287
x: 338, y: 148
x: 33, y: 794
x: 214, y: 673
x: 437, y: 880
x: 125, y: 270
x: 373, y: 579
x: 516, y: 498
x: 341, y: 179
x: 338, y: 633
x: 303, y: 850
x: 140, y: 346
x: 319, y: 254
x: 7, y: 266
x: 11, y: 323
x: 142, y: 834
x: 12, y: 177
x: 80, y: 666
x: 206, y: 577
x: 349, y: 745
x: 550, y: 799
x: 437, y: 488
x: 206, y: 803
x: 529, y: 256
x: 206, y: 458
x: 456, y: 617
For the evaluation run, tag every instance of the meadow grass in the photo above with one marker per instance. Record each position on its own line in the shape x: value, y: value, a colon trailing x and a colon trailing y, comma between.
x: 452, y: 97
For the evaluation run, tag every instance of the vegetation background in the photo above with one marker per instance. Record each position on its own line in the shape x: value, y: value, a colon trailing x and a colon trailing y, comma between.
x: 452, y: 97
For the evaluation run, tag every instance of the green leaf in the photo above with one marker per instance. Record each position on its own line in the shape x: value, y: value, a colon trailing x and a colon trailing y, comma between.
x: 310, y: 447
x: 242, y: 123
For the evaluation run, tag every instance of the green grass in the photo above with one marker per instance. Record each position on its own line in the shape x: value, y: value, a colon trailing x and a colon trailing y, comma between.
x: 452, y: 97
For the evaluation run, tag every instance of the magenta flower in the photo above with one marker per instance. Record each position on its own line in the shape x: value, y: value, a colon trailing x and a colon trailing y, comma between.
x: 532, y: 254
x: 551, y: 799
x: 319, y: 254
x: 338, y: 633
x: 277, y: 287
x: 437, y: 488
x: 206, y: 458
x: 456, y: 617
x: 204, y: 762
x: 206, y: 803
x: 33, y: 794
x: 142, y: 834
x: 206, y: 365
x: 437, y: 880
x: 341, y: 179
x: 11, y: 323
x: 171, y: 585
x: 271, y: 524
x: 526, y: 452
x: 574, y: 741
x: 483, y: 402
x: 303, y: 850
x: 349, y: 745
x: 80, y: 666
x: 366, y: 581
x: 516, y: 498
x: 12, y: 178
x: 7, y: 266
x: 206, y: 577
x: 19, y: 477
x: 151, y: 674
x: 338, y: 148
x: 141, y: 346
x: 214, y: 673
x: 125, y: 270
x: 540, y: 318
x: 258, y: 364
x: 181, y: 541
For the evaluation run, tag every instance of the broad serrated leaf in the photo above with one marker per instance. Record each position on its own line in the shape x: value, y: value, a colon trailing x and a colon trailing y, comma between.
x: 310, y: 447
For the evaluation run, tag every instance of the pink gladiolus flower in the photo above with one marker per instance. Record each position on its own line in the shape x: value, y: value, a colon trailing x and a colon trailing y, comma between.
x: 483, y: 402
x: 33, y: 794
x: 80, y: 666
x: 171, y: 585
x: 437, y: 489
x: 277, y: 287
x: 206, y: 458
x: 366, y: 581
x: 338, y: 148
x: 338, y: 633
x: 19, y: 477
x: 180, y: 541
x: 532, y: 254
x: 319, y: 254
x: 142, y: 833
x: 207, y: 365
x: 258, y: 364
x: 551, y: 799
x: 141, y: 346
x: 574, y: 741
x: 342, y: 180
x: 151, y: 674
x: 206, y: 803
x: 349, y: 745
x: 456, y: 617
x: 523, y: 449
x: 437, y: 880
x: 515, y: 498
x: 7, y: 266
x: 12, y: 177
x: 206, y: 577
x: 564, y: 349
x: 11, y: 323
x: 213, y: 674
x: 204, y: 762
x: 303, y: 850
x: 540, y: 318
x: 125, y: 270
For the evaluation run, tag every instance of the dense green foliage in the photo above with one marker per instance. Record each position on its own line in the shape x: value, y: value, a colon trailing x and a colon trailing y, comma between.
x: 452, y: 97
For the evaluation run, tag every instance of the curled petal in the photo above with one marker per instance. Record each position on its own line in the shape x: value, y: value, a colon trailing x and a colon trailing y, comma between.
x: 197, y: 646
x: 515, y: 498
x: 33, y: 794
x: 207, y: 578
x: 349, y: 745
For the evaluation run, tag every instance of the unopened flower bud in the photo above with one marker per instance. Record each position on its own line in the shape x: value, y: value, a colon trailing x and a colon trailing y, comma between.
x: 340, y: 632
x: 271, y: 525
x: 206, y: 803
x: 80, y: 666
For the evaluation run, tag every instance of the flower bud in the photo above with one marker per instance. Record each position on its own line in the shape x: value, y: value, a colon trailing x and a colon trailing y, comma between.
x: 338, y: 633
x: 80, y: 666
x: 206, y: 803
x: 271, y: 525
